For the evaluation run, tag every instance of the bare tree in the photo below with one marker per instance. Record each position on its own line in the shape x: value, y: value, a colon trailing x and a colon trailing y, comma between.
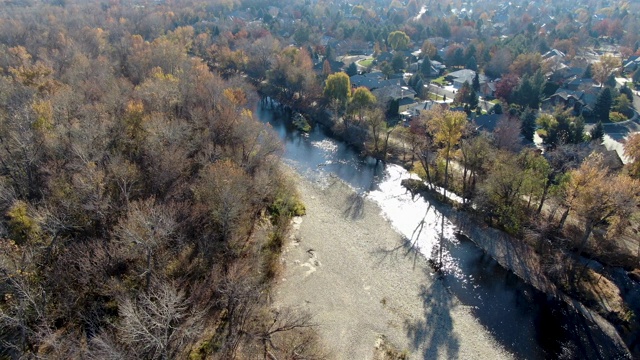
x: 158, y: 323
x: 272, y: 331
x: 147, y: 226
x: 506, y: 136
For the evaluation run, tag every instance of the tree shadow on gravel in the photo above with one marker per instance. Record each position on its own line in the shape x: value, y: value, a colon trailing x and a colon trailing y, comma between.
x: 355, y: 207
x: 409, y: 246
x: 434, y: 333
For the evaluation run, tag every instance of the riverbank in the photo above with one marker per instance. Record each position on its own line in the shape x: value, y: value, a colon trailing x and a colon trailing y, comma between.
x: 348, y: 267
x: 520, y: 258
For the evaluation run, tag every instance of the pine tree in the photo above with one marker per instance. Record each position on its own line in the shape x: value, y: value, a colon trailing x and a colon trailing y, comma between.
x: 352, y: 69
x: 597, y: 132
x: 587, y: 72
x: 528, y: 127
x: 425, y: 68
x: 636, y: 76
x: 475, y: 84
x: 472, y: 64
x: 473, y: 99
x: 603, y: 105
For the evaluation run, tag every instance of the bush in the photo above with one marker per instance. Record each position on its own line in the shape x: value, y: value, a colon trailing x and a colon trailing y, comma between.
x: 617, y: 117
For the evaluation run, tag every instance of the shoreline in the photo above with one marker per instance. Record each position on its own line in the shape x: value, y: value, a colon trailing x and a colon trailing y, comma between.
x: 520, y: 259
x: 347, y: 266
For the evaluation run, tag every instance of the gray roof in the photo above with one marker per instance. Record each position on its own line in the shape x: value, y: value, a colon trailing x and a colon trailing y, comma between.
x: 393, y: 92
x: 466, y: 75
x: 487, y: 122
x: 373, y: 80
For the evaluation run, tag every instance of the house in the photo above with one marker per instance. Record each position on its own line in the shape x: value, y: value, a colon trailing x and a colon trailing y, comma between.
x: 553, y: 53
x: 611, y: 157
x: 581, y: 102
x: 487, y: 122
x: 374, y: 80
x: 632, y: 64
x: 458, y: 78
x: 577, y: 84
x: 566, y: 74
x: 403, y: 94
x: 414, y: 111
x: 436, y: 69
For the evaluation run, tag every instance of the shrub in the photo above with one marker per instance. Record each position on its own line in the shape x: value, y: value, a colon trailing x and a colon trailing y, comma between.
x: 617, y: 117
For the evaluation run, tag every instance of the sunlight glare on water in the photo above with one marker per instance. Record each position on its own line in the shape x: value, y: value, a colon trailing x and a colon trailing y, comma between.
x: 413, y: 217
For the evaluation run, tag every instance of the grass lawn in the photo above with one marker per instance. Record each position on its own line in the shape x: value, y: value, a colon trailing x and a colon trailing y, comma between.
x: 365, y: 62
x: 440, y: 81
x: 435, y: 97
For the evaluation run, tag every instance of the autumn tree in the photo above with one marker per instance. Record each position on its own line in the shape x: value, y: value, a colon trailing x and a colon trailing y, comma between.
x: 224, y: 188
x: 500, y: 194
x: 398, y: 40
x: 428, y: 50
x: 447, y: 127
x: 474, y: 155
x: 526, y: 64
x: 338, y: 87
x: 599, y: 198
x: 632, y: 151
x: 603, y: 68
x: 361, y: 99
x: 379, y: 132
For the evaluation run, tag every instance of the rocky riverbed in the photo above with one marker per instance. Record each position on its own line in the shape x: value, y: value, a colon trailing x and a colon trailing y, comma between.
x: 347, y: 266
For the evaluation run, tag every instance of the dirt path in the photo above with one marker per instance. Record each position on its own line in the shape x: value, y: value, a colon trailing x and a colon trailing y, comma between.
x: 348, y: 267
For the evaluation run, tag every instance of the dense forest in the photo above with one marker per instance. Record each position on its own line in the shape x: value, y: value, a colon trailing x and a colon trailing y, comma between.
x: 144, y: 206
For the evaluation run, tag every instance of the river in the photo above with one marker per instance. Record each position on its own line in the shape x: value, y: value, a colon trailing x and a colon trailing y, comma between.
x: 525, y: 321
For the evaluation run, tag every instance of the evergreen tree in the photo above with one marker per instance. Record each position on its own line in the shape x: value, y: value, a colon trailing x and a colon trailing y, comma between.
x: 462, y: 96
x: 425, y: 68
x: 603, y: 105
x: 577, y: 130
x: 352, y: 69
x: 329, y: 55
x: 611, y: 81
x: 475, y: 84
x: 627, y: 91
x: 472, y: 64
x: 393, y: 108
x: 473, y: 99
x: 587, y: 72
x: 636, y: 76
x: 419, y: 88
x: 528, y: 127
x: 597, y: 132
x: 398, y: 63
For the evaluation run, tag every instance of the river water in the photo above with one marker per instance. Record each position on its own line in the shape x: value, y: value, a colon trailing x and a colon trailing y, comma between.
x: 525, y: 321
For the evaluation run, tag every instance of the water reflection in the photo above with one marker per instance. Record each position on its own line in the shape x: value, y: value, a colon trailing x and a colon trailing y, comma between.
x: 315, y: 155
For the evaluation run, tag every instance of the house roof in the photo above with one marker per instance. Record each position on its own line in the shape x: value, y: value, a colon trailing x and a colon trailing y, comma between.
x: 418, y: 107
x: 393, y: 92
x: 565, y: 94
x: 373, y: 80
x: 553, y: 52
x: 466, y: 75
x: 487, y: 122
